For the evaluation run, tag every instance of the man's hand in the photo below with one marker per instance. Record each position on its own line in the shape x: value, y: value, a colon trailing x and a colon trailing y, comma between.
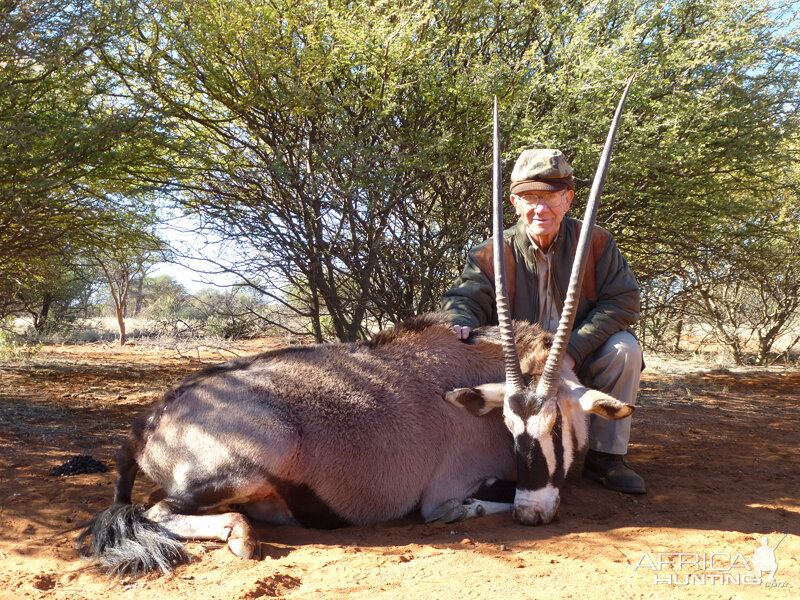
x: 569, y: 362
x: 462, y: 331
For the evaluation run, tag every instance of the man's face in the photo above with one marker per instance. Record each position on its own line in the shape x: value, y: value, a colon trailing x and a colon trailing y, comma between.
x: 542, y: 213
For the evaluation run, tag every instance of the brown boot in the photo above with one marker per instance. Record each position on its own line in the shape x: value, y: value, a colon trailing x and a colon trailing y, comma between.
x: 611, y: 471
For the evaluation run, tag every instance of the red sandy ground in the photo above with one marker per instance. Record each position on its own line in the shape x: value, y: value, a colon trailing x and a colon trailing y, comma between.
x: 718, y: 450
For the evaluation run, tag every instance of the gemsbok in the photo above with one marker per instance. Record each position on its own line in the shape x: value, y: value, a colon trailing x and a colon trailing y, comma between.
x: 331, y: 435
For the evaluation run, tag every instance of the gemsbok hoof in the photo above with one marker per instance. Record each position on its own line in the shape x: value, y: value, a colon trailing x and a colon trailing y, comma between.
x: 241, y: 538
x: 448, y: 512
x: 243, y: 547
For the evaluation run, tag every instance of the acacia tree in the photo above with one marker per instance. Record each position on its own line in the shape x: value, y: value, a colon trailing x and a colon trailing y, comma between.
x: 53, y: 283
x: 124, y: 258
x: 71, y: 138
x: 748, y: 290
x: 698, y: 175
x: 324, y: 130
x: 705, y: 127
x: 342, y: 150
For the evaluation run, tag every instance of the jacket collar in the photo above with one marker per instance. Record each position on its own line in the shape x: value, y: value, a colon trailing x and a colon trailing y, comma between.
x: 524, y: 242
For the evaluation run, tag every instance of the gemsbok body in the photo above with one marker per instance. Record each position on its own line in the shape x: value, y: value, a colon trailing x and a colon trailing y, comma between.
x: 322, y: 436
x: 344, y: 434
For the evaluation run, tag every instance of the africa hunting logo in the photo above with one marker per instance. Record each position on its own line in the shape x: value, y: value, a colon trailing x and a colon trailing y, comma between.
x: 716, y: 568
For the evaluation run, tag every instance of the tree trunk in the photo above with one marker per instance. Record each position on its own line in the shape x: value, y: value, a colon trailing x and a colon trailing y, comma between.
x: 764, y: 344
x: 40, y: 319
x: 738, y: 355
x: 678, y: 333
x: 121, y: 322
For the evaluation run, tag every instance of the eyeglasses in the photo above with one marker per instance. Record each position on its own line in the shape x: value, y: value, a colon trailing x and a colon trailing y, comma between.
x: 551, y: 200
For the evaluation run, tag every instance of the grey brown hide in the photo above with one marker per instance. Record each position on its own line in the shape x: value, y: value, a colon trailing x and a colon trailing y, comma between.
x: 323, y: 436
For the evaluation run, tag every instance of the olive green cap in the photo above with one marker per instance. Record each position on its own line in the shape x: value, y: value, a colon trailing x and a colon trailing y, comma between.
x: 541, y: 169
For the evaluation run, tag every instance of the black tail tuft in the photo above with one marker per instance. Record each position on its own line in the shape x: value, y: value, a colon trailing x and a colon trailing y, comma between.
x: 126, y: 542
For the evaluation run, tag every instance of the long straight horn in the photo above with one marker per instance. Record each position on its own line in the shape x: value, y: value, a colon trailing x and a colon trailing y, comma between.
x: 510, y: 357
x: 548, y: 384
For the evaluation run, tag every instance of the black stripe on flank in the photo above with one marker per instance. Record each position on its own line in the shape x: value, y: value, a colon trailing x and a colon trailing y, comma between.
x: 308, y: 508
x: 499, y: 490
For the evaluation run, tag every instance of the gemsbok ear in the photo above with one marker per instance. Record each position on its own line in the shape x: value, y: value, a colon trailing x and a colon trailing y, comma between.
x: 604, y: 405
x: 478, y: 400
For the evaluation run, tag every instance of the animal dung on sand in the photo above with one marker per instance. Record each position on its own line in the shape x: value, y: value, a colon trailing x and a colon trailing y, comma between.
x: 78, y: 465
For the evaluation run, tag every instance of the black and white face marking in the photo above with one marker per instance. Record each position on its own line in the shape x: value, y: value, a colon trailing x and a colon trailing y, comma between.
x: 545, y: 446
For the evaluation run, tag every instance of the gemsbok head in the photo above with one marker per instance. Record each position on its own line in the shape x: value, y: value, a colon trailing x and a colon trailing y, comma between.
x: 547, y: 418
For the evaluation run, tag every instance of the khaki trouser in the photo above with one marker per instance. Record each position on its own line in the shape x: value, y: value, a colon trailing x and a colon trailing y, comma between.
x: 614, y: 368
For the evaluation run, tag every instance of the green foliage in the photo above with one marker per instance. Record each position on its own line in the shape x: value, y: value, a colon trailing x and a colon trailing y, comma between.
x: 231, y: 314
x: 163, y: 298
x: 325, y: 123
x: 748, y: 291
x: 75, y: 145
x: 14, y: 347
x: 343, y: 148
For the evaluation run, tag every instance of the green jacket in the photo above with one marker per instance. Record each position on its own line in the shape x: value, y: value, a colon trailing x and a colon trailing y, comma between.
x: 609, y: 300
